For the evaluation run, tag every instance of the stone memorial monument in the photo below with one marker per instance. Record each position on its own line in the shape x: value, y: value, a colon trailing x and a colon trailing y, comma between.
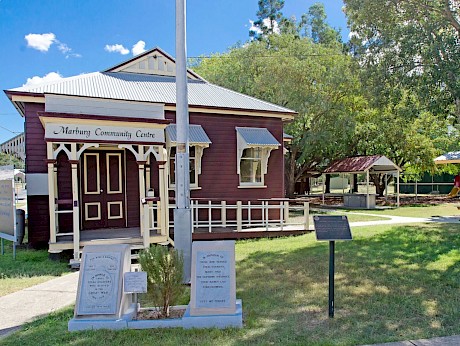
x: 101, y: 301
x: 213, y: 288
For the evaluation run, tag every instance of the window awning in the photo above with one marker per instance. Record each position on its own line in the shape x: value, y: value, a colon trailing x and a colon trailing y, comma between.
x: 197, y: 135
x: 256, y: 137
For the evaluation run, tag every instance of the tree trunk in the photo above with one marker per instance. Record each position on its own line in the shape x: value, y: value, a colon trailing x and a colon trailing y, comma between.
x: 379, y: 182
x: 328, y: 183
x: 289, y: 174
x: 355, y: 183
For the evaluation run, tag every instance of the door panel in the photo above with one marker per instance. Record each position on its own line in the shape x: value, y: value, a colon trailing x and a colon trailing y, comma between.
x: 103, y: 190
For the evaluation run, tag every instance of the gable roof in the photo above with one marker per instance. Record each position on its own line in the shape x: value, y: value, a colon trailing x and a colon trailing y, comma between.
x: 154, y: 62
x: 360, y: 164
x: 152, y: 84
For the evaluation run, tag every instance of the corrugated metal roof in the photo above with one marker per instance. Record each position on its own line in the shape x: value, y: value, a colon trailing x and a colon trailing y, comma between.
x: 196, y: 134
x: 450, y: 157
x: 257, y: 136
x: 150, y: 88
x: 361, y: 164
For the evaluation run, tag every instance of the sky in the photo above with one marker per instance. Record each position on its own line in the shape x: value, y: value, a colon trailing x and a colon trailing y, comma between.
x: 46, y: 39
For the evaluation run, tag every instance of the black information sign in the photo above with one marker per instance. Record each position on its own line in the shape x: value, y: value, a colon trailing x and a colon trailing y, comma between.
x: 332, y: 228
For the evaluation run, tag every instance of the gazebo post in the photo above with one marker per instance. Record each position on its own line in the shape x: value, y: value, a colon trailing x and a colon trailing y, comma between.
x: 397, y: 189
x: 367, y: 189
x: 324, y: 186
x: 386, y: 187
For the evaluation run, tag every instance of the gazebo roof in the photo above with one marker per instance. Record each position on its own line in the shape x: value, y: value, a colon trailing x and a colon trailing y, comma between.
x: 361, y: 164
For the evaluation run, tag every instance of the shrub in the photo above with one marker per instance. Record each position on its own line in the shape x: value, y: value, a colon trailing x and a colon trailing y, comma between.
x: 164, y: 274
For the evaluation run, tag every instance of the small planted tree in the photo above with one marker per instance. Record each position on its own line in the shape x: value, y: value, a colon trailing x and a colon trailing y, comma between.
x: 164, y: 275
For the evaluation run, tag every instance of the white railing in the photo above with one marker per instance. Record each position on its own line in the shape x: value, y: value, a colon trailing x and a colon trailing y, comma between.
x: 153, y: 221
x: 212, y: 214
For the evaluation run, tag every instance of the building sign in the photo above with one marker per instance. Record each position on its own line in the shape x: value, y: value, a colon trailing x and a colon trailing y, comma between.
x: 7, y: 210
x: 102, y: 133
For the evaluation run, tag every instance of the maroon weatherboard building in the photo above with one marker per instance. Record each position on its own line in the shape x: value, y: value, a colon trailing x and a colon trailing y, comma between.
x: 100, y: 152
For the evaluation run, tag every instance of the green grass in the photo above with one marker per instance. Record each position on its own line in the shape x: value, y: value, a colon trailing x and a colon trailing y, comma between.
x: 297, y: 217
x: 421, y: 210
x: 31, y: 267
x: 392, y: 283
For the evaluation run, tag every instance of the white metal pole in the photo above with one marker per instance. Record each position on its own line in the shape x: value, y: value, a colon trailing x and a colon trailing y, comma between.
x: 182, y: 213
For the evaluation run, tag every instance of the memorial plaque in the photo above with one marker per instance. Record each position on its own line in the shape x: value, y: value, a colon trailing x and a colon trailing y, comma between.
x: 332, y: 228
x: 213, y: 278
x: 135, y: 282
x: 100, y: 290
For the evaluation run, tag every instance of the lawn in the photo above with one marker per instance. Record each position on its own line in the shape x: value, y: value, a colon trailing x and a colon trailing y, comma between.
x: 392, y: 283
x: 426, y: 211
x: 31, y: 267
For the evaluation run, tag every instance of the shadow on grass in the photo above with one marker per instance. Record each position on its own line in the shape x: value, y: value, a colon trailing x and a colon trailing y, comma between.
x: 399, y: 284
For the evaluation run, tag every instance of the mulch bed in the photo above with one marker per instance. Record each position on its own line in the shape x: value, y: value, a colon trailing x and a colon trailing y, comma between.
x: 156, y: 314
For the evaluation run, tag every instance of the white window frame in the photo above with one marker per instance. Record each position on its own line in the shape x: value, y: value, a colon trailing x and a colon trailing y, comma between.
x: 256, y: 161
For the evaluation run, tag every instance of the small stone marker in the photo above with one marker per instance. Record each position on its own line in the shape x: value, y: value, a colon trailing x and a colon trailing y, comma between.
x: 135, y: 282
x: 213, y: 278
x: 100, y: 285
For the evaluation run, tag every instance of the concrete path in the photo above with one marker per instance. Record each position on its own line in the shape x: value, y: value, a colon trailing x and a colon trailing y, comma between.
x: 31, y: 303
x: 393, y: 220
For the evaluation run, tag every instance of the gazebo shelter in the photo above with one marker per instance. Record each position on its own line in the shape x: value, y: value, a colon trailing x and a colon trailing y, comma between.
x: 374, y: 164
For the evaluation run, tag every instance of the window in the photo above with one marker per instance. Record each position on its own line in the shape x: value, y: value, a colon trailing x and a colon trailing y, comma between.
x: 254, y: 146
x: 251, y: 166
x: 198, y: 141
x: 192, y: 167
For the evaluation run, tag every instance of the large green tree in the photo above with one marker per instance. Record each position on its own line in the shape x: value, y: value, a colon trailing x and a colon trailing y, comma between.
x: 317, y: 81
x: 8, y: 159
x: 410, y: 44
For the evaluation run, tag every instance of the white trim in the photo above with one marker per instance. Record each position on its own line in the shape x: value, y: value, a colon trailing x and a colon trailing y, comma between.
x: 109, y: 216
x: 252, y: 186
x: 85, y: 175
x: 98, y: 217
x: 120, y: 173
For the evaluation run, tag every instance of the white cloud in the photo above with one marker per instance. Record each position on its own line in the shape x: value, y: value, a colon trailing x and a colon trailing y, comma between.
x: 64, y: 48
x: 254, y: 28
x: 116, y: 48
x: 276, y: 28
x: 41, y: 42
x: 138, y: 48
x: 36, y: 80
x: 266, y: 23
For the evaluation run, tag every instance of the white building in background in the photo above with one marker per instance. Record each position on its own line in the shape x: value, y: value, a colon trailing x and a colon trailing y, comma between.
x: 15, y: 146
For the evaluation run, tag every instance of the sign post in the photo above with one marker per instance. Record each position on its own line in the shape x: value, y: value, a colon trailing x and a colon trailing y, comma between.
x: 332, y: 228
